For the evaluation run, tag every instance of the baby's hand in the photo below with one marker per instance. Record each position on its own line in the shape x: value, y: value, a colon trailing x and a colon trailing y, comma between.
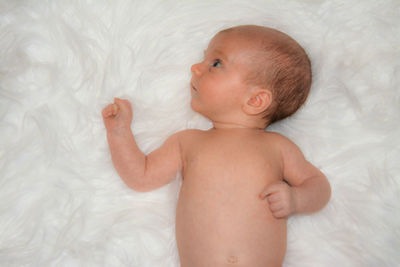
x: 117, y: 116
x: 280, y: 199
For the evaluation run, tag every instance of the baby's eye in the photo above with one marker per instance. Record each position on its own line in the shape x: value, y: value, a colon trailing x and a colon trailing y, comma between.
x: 216, y: 63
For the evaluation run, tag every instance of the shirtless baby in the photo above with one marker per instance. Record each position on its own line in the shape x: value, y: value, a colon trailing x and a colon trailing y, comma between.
x: 240, y: 182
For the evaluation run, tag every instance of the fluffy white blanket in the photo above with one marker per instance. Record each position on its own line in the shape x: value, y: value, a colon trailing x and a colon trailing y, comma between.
x: 61, y: 62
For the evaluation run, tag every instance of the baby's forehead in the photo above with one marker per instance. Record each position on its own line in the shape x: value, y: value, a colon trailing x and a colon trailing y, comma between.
x: 234, y: 36
x: 224, y: 40
x: 236, y: 44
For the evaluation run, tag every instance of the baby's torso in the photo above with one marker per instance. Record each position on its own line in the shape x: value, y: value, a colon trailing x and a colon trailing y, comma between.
x: 220, y: 218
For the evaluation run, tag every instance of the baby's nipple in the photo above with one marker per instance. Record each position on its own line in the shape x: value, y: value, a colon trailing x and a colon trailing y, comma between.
x: 232, y: 259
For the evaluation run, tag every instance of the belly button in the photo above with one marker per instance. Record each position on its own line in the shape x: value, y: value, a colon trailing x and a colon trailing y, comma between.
x: 232, y: 259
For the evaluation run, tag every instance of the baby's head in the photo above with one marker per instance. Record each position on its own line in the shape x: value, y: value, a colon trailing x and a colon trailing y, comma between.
x: 251, y: 72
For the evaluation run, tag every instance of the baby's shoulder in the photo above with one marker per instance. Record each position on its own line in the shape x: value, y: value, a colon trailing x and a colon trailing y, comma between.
x: 286, y: 147
x: 274, y: 136
x: 278, y: 140
x: 189, y: 135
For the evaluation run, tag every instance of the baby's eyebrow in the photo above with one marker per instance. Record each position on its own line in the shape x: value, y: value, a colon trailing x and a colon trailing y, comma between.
x: 220, y: 54
x: 217, y: 52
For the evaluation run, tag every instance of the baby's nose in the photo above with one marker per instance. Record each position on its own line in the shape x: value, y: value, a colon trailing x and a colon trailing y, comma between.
x: 196, y: 69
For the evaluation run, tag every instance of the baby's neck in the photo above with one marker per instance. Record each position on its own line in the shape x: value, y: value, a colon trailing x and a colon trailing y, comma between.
x: 230, y: 125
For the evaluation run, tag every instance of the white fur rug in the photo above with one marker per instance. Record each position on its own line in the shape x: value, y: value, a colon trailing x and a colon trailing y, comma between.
x: 61, y: 62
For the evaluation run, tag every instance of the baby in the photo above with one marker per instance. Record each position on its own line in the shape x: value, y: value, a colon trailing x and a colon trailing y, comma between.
x: 240, y: 182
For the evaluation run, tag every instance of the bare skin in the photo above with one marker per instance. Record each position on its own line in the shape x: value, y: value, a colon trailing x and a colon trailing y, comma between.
x: 240, y: 183
x: 221, y: 219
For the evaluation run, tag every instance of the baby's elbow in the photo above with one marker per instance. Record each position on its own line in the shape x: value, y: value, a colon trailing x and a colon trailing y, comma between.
x: 138, y: 185
x: 139, y: 189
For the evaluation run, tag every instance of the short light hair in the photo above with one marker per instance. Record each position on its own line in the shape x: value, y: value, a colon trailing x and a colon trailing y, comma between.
x: 282, y: 66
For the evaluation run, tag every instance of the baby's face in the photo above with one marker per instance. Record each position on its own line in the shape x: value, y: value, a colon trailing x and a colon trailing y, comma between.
x: 218, y: 85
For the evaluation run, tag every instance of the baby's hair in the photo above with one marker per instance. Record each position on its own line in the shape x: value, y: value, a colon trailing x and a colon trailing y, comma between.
x: 280, y: 65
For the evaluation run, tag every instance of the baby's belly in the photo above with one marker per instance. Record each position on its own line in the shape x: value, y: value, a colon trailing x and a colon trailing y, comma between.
x: 221, y: 221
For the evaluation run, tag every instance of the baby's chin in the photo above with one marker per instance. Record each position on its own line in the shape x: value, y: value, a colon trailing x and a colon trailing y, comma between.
x: 195, y: 107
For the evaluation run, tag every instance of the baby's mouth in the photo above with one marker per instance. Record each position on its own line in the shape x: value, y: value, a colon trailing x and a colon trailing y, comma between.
x: 193, y: 87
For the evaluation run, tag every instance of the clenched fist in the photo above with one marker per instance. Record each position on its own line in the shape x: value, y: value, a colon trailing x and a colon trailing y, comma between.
x: 280, y: 198
x: 117, y: 116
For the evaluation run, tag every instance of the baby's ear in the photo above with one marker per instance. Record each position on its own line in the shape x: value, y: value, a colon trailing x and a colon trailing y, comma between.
x: 258, y: 101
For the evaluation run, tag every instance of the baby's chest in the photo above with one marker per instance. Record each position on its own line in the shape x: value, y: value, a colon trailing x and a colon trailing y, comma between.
x: 234, y: 164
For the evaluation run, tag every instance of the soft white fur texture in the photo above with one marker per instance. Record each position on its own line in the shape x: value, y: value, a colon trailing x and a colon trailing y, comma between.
x: 61, y: 62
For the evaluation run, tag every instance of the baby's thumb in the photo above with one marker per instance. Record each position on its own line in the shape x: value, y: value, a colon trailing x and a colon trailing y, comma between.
x: 265, y: 193
x: 270, y: 189
x: 122, y: 104
x: 110, y: 110
x: 115, y: 109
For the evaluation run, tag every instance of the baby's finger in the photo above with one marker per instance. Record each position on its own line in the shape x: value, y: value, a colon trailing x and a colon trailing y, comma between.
x: 115, y: 109
x: 122, y: 103
x: 272, y: 198
x: 281, y: 214
x: 108, y: 111
x: 275, y: 207
x: 269, y: 190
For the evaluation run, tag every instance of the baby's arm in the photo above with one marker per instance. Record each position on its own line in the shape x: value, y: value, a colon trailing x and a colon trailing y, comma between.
x: 307, y: 190
x: 138, y: 171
